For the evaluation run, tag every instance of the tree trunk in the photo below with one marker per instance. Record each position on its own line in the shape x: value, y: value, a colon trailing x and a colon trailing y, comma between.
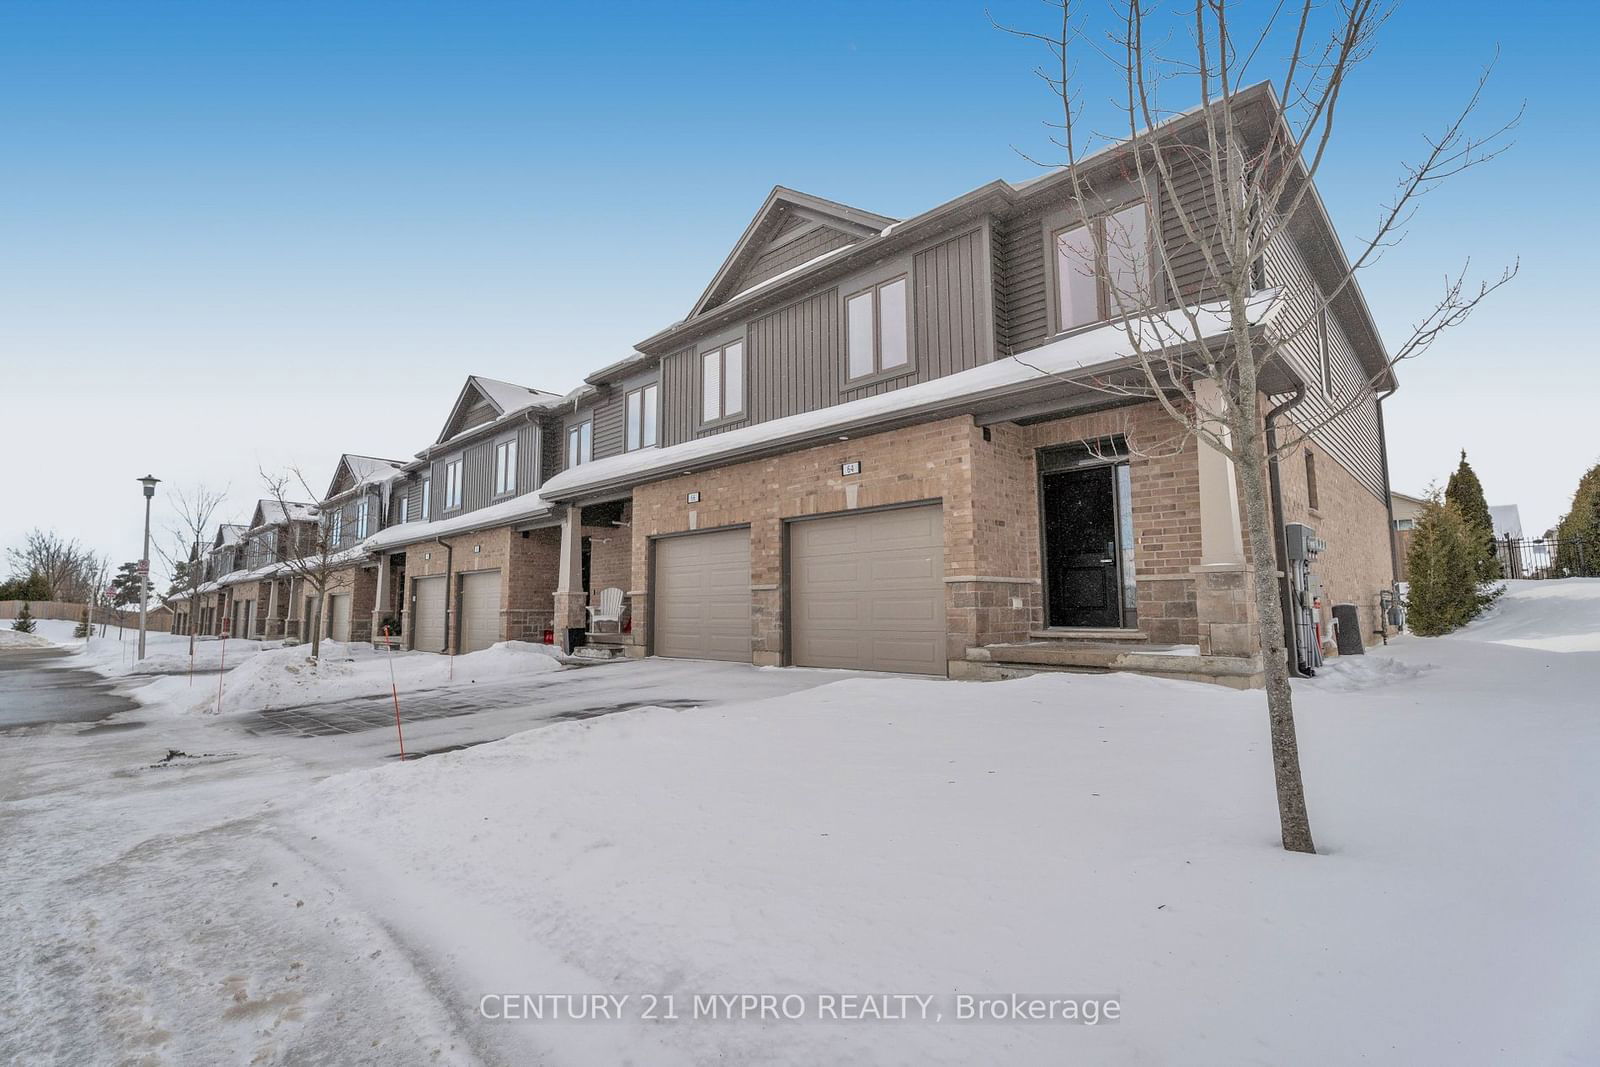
x: 316, y: 626
x: 1250, y: 444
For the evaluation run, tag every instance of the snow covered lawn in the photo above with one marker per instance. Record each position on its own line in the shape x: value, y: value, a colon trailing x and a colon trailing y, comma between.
x: 285, y: 676
x: 251, y: 898
x: 1061, y: 836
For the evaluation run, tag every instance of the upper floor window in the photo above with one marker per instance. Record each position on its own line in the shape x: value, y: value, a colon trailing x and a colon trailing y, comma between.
x: 505, y: 467
x: 722, y: 382
x: 337, y: 533
x: 427, y: 498
x: 641, y: 411
x: 580, y: 443
x: 877, y: 328
x: 1103, y: 268
x: 361, y: 518
x: 405, y: 508
x: 452, y: 485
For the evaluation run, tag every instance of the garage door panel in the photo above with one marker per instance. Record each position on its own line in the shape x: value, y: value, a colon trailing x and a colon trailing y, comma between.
x: 480, y: 610
x: 702, y: 596
x: 427, y: 614
x: 867, y: 591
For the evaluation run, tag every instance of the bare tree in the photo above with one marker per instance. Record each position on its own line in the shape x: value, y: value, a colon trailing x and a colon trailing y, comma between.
x: 307, y: 554
x: 67, y: 568
x: 188, y: 532
x: 1234, y: 183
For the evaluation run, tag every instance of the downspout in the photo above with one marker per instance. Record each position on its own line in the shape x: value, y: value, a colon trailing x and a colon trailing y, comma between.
x: 1388, y: 493
x: 449, y: 593
x: 1280, y: 542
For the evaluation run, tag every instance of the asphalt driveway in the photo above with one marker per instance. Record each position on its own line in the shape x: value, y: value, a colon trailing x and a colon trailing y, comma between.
x: 35, y: 690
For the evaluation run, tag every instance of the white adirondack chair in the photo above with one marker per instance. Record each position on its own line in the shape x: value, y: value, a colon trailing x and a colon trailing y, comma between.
x: 607, y: 608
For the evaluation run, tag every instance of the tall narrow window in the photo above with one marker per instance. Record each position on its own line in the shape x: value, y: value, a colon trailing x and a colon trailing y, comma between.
x: 1104, y: 268
x: 452, y: 485
x: 361, y: 519
x: 722, y: 382
x: 505, y: 467
x: 580, y: 441
x: 427, y: 498
x: 1311, y: 480
x: 877, y: 329
x: 641, y: 414
x: 337, y: 533
x: 405, y: 508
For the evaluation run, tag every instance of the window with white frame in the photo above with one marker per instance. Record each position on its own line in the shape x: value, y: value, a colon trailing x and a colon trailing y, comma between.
x: 641, y: 412
x: 505, y: 467
x: 1103, y: 268
x: 427, y: 498
x: 722, y: 382
x: 405, y: 507
x: 361, y: 518
x: 336, y: 534
x: 452, y: 485
x: 877, y: 332
x: 580, y: 443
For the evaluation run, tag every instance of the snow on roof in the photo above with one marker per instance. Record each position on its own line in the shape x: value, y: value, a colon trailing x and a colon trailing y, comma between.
x: 528, y: 506
x: 1095, y: 349
x: 273, y: 513
x: 511, y: 398
x: 807, y: 265
x: 231, y: 532
x: 368, y: 469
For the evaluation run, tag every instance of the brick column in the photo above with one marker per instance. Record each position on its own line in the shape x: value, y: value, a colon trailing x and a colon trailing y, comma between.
x: 380, y: 599
x: 570, y: 599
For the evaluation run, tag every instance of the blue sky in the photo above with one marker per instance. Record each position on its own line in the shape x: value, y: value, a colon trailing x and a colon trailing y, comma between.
x: 289, y: 230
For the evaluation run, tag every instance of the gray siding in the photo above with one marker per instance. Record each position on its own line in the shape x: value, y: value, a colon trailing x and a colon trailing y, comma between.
x: 792, y: 253
x: 1353, y: 438
x: 477, y: 472
x: 1024, y: 272
x: 608, y: 423
x: 794, y: 356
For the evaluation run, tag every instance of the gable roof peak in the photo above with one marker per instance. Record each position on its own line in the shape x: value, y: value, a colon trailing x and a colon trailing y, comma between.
x: 782, y: 207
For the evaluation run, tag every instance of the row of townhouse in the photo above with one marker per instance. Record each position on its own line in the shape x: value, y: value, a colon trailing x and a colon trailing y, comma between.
x: 834, y: 460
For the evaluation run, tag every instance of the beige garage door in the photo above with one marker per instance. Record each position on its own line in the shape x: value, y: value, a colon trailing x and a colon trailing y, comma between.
x: 480, y: 610
x: 427, y: 615
x: 867, y: 591
x: 339, y: 616
x: 702, y: 596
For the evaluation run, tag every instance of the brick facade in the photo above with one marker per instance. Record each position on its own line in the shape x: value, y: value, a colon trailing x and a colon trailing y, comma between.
x: 528, y: 563
x: 986, y: 480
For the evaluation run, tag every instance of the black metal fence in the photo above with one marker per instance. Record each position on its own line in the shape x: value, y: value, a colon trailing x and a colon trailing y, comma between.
x: 1547, y: 557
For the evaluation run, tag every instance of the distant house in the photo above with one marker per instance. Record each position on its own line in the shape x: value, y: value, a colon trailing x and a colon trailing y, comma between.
x: 1507, y: 521
x: 1407, y: 510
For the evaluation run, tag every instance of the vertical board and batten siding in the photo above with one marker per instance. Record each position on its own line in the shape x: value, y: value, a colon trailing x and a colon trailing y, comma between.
x: 611, y: 413
x: 1024, y: 272
x: 950, y: 316
x: 1353, y: 438
x: 794, y: 356
x: 477, y: 473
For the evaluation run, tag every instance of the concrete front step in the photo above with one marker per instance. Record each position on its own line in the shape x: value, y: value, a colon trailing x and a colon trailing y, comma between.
x: 598, y: 652
x: 994, y: 662
x: 1095, y: 635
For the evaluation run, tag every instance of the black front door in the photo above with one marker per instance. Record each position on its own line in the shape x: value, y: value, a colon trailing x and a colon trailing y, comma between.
x: 1080, y: 547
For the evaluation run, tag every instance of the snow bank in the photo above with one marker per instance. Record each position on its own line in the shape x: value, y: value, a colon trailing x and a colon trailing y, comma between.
x: 10, y: 638
x: 285, y: 676
x: 1057, y: 835
x: 1557, y: 615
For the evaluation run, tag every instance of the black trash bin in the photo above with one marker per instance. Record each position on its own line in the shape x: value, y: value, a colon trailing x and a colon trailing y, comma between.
x: 1349, y: 629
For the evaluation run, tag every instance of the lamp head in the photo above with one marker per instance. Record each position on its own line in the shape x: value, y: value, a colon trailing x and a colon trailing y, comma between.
x: 149, y: 483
